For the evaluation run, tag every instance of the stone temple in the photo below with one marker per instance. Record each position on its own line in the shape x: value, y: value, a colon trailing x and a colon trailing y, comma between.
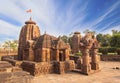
x: 41, y: 54
x: 51, y: 52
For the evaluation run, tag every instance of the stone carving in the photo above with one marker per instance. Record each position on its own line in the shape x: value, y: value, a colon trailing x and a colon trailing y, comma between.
x: 75, y: 42
x: 94, y: 54
x: 89, y: 46
x: 85, y: 45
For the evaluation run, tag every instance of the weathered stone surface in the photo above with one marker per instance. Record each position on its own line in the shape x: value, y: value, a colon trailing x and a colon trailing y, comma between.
x: 16, y: 77
x: 75, y: 42
x: 15, y: 69
x: 79, y: 63
x: 5, y: 64
x: 49, y: 48
x: 30, y: 31
x: 13, y: 62
x: 37, y: 68
x: 89, y: 46
x: 5, y: 67
x: 64, y: 66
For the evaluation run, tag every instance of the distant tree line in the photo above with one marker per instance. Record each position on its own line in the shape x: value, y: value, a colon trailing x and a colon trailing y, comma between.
x: 108, y: 40
x: 9, y: 45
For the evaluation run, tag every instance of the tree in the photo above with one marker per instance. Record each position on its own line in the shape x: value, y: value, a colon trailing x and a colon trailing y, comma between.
x: 104, y: 39
x: 115, y: 40
x: 11, y: 45
x: 99, y: 37
x: 114, y: 32
x: 65, y: 38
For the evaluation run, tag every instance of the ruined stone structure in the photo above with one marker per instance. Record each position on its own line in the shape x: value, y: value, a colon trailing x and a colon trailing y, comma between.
x: 89, y: 47
x: 50, y: 54
x: 75, y: 42
x: 94, y: 54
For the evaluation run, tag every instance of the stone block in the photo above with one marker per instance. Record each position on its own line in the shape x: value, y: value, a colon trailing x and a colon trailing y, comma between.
x: 13, y: 62
x: 37, y: 68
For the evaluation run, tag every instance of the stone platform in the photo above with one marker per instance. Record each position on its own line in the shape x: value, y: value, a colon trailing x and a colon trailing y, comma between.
x: 7, y: 67
x: 16, y: 77
x: 39, y: 68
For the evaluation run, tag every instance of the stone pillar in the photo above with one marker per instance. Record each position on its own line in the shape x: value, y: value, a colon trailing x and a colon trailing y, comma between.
x: 57, y: 54
x: 43, y: 56
x: 66, y: 54
x: 31, y: 55
x: 48, y: 55
x: 95, y: 59
x: 86, y: 67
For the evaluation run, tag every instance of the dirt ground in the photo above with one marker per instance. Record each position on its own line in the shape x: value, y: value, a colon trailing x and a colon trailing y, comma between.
x: 106, y: 75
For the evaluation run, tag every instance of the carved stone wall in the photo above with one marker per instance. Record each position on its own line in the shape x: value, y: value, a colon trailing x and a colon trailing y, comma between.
x: 30, y: 31
x: 75, y: 42
x: 38, y: 68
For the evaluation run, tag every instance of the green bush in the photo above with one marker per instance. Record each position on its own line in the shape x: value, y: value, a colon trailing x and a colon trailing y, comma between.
x: 103, y: 50
x: 111, y: 49
x: 78, y: 54
x: 118, y: 51
x: 115, y: 40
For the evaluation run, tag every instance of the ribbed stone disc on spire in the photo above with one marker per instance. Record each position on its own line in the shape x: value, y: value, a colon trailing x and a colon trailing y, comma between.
x: 30, y: 21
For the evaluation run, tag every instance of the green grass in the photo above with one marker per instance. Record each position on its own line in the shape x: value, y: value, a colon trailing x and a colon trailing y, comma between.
x: 109, y: 53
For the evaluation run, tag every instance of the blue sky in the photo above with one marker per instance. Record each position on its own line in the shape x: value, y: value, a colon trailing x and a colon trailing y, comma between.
x: 59, y: 17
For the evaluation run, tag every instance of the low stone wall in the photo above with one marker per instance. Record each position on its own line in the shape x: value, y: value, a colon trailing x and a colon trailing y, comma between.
x: 110, y: 57
x: 9, y: 56
x: 13, y: 62
x: 16, y: 77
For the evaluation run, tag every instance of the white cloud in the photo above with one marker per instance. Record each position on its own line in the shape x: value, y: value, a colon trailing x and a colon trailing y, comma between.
x: 109, y: 31
x: 8, y: 30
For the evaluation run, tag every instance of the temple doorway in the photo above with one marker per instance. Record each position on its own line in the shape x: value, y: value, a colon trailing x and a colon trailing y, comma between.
x: 61, y: 56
